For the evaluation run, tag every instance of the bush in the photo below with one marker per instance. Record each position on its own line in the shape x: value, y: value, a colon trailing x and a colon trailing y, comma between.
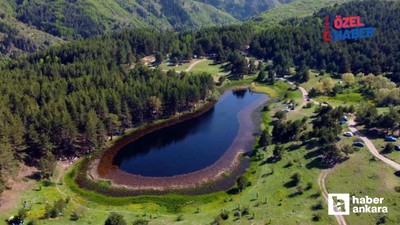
x: 224, y: 214
x: 299, y: 189
x: 20, y: 217
x: 397, y: 189
x: 381, y: 219
x: 308, y: 105
x: 296, y: 178
x: 179, y: 218
x: 33, y: 222
x: 115, y: 219
x: 316, y: 217
x: 309, y: 186
x: 318, y: 206
x: 389, y: 148
x: 75, y: 216
x: 47, y: 183
x: 245, y: 211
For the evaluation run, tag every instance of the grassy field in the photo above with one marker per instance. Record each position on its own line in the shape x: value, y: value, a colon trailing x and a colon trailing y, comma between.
x: 167, y: 66
x: 361, y: 176
x: 270, y: 199
x: 208, y: 66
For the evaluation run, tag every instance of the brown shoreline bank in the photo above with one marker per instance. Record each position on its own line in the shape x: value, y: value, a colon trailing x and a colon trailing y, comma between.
x: 222, y: 173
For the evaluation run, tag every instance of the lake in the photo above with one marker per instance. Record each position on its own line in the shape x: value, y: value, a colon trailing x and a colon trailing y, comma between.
x: 191, y: 145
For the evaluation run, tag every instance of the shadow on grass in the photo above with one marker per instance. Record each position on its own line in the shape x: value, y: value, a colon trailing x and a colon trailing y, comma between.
x: 316, y: 163
x: 311, y: 144
x: 34, y: 176
x: 290, y: 184
x: 312, y: 154
x: 233, y: 191
x: 294, y: 147
x: 270, y: 160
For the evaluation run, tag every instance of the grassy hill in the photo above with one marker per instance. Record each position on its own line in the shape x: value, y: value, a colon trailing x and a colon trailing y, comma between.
x: 295, y: 9
x: 245, y: 9
x: 31, y: 25
x: 27, y: 26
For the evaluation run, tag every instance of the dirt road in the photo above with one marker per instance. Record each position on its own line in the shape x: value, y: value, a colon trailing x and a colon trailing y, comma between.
x: 193, y: 64
x: 321, y: 182
x: 371, y: 147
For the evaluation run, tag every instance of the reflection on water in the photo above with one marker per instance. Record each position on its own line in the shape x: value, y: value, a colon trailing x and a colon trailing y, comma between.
x: 188, y: 146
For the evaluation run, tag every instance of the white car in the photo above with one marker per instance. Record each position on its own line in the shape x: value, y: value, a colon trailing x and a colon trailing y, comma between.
x: 348, y: 134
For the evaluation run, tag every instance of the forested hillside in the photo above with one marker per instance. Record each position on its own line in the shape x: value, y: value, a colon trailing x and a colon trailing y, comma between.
x: 65, y: 100
x: 86, y: 18
x: 293, y: 9
x: 37, y: 24
x: 244, y: 9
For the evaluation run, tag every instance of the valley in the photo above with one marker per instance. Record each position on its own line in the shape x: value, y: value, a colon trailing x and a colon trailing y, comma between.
x: 198, y: 112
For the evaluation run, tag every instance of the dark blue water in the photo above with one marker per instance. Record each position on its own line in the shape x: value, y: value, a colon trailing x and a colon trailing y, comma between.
x: 188, y: 146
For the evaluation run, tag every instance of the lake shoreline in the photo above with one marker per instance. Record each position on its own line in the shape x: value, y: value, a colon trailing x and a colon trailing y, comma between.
x: 219, y: 176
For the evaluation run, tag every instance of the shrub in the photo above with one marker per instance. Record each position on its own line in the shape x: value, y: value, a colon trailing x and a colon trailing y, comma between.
x: 245, y: 211
x: 224, y: 214
x: 389, y: 148
x: 33, y: 222
x: 309, y: 186
x: 74, y: 216
x: 179, y: 218
x: 296, y: 178
x: 318, y: 206
x: 308, y: 105
x: 381, y: 219
x: 77, y: 214
x: 316, y: 217
x: 397, y: 189
x: 115, y: 219
x: 300, y: 190
x: 217, y: 220
x: 55, y: 210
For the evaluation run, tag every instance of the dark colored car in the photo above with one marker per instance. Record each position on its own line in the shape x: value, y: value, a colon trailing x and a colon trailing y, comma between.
x: 390, y: 138
x: 397, y: 173
x: 359, y: 144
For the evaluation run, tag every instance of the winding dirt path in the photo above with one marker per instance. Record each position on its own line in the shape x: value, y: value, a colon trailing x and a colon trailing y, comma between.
x: 193, y: 64
x: 321, y: 182
x: 371, y: 147
x: 324, y: 173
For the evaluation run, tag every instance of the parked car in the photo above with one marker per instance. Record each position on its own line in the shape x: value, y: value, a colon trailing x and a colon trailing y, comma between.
x: 390, y: 138
x: 397, y: 147
x: 358, y: 144
x: 343, y: 122
x: 397, y: 173
x: 348, y: 134
x: 338, y: 138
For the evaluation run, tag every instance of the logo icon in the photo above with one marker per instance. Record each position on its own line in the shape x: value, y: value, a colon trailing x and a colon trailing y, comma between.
x: 338, y: 204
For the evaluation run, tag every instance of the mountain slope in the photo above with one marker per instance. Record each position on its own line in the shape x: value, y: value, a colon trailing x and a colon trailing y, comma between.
x: 244, y: 9
x: 86, y: 18
x: 31, y: 25
x: 294, y: 9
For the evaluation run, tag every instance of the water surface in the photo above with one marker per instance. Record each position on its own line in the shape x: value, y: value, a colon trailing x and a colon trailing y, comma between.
x: 188, y: 146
